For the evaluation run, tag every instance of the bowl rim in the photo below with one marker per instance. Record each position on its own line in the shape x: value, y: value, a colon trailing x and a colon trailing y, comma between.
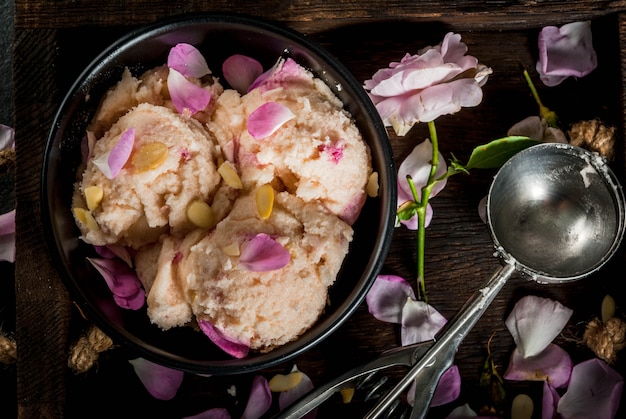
x: 387, y: 183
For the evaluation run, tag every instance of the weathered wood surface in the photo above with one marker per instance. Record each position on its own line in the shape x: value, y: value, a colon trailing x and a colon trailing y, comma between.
x: 55, y: 40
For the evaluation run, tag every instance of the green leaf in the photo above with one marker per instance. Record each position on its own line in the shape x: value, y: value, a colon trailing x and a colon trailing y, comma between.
x: 496, y: 153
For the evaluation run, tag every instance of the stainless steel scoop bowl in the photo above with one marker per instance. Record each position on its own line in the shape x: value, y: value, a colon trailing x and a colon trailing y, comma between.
x: 556, y: 214
x: 556, y: 211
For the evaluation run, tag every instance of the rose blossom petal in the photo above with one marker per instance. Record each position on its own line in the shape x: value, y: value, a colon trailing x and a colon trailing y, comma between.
x: 215, y: 413
x: 420, y: 322
x: 262, y: 253
x: 7, y: 137
x: 594, y: 391
x: 187, y: 97
x: 549, y: 401
x: 122, y: 281
x: 188, y: 61
x: 448, y: 388
x: 417, y: 166
x: 112, y: 162
x: 267, y: 119
x: 260, y: 399
x: 387, y: 296
x: 161, y: 382
x: 565, y: 51
x: 240, y: 71
x: 534, y: 322
x: 230, y: 346
x: 111, y: 251
x: 439, y: 80
x: 553, y: 364
x: 288, y: 397
x: 7, y: 236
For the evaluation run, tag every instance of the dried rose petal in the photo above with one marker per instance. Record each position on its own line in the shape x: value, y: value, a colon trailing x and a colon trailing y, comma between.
x: 7, y: 236
x: 122, y: 281
x: 112, y: 162
x: 187, y: 96
x: 260, y: 399
x: 161, y: 382
x: 262, y: 253
x: 267, y: 119
x: 230, y: 346
x: 240, y: 71
x: 188, y: 61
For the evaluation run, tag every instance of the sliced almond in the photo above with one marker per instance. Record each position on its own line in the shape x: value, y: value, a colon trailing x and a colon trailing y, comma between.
x: 149, y: 156
x: 93, y: 196
x: 200, y: 214
x: 230, y: 176
x: 265, y: 201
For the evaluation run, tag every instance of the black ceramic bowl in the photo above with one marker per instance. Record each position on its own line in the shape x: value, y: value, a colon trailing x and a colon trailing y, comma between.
x: 221, y: 35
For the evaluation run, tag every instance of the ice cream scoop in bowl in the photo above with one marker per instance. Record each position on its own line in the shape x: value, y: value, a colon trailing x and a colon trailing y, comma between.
x: 218, y: 37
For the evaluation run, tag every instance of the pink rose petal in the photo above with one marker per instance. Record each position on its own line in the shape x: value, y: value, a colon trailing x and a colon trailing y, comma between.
x: 420, y: 322
x: 122, y: 281
x: 565, y: 51
x: 334, y: 151
x: 594, y: 391
x: 240, y: 71
x: 215, y: 413
x: 161, y: 382
x: 7, y: 137
x: 230, y: 346
x: 7, y: 236
x: 553, y: 364
x: 267, y: 119
x: 448, y: 389
x: 260, y: 399
x: 187, y: 97
x: 262, y: 253
x: 534, y: 322
x: 440, y: 80
x: 549, y: 401
x: 111, y: 163
x: 188, y: 61
x: 288, y: 397
x: 387, y: 296
x: 111, y: 251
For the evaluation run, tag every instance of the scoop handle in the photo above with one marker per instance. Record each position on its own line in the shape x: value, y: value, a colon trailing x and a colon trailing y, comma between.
x: 428, y: 370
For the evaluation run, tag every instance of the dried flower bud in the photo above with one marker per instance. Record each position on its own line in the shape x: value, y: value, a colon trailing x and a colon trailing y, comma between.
x: 595, y: 136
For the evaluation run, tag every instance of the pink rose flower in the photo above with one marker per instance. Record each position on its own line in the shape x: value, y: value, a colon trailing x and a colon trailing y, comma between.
x: 440, y: 80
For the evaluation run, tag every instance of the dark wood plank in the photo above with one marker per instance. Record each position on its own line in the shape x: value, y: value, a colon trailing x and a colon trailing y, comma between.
x: 54, y: 40
x: 320, y: 15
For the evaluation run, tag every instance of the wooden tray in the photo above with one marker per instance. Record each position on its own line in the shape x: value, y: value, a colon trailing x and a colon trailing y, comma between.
x: 55, y: 41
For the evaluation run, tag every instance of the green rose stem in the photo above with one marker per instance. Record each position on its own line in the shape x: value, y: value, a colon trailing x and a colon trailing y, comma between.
x: 545, y: 112
x: 422, y: 204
